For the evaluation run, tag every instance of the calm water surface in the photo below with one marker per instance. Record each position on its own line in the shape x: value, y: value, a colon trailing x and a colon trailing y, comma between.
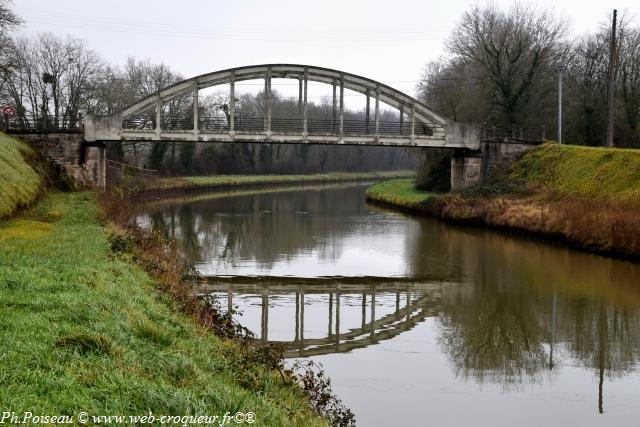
x: 415, y: 321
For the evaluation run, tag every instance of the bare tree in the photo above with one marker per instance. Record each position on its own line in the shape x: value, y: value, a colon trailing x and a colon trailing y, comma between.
x: 456, y: 89
x: 629, y: 85
x: 8, y: 21
x: 515, y: 49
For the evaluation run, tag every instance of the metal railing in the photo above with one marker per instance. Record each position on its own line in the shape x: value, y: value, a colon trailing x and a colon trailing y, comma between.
x: 139, y: 123
x: 18, y: 126
x: 130, y: 169
x: 218, y: 124
x: 515, y: 133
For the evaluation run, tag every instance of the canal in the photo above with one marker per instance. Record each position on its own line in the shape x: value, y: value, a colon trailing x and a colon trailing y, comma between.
x: 418, y: 322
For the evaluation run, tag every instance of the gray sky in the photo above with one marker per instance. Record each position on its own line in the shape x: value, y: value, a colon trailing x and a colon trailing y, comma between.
x: 389, y: 41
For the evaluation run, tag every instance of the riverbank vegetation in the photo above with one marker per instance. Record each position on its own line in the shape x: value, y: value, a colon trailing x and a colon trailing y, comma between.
x: 400, y: 193
x: 85, y: 329
x: 228, y: 181
x: 587, y: 197
x: 100, y: 317
x: 19, y: 182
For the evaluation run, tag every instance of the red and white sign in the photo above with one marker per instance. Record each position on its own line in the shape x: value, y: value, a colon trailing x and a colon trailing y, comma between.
x: 9, y: 112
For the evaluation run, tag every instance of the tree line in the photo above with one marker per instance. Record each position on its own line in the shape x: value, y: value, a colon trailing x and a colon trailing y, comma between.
x: 51, y: 81
x: 502, y: 67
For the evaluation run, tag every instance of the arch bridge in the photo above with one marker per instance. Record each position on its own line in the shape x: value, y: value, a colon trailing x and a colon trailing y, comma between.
x: 414, y: 302
x: 418, y: 125
x: 479, y: 150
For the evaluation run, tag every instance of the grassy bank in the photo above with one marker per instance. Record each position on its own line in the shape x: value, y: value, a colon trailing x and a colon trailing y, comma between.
x: 83, y: 329
x: 589, y: 173
x: 19, y: 182
x: 399, y: 192
x: 586, y: 197
x: 226, y: 181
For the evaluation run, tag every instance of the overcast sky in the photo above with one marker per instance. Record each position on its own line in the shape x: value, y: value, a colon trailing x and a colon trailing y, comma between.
x: 389, y: 41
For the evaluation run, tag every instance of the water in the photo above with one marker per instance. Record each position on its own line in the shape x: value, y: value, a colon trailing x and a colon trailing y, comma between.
x: 418, y: 322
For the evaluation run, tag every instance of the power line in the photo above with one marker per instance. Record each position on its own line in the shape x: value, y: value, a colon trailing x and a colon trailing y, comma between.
x: 123, y: 22
x: 238, y: 35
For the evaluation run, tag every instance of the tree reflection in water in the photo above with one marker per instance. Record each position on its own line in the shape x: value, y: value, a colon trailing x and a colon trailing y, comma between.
x: 513, y: 311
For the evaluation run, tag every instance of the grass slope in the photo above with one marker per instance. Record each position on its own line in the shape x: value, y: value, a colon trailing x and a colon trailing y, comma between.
x: 84, y: 330
x: 19, y: 183
x: 221, y: 181
x: 586, y: 172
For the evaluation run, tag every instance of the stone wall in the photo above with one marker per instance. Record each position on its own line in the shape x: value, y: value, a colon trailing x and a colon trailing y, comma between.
x: 471, y: 167
x: 84, y: 164
x: 500, y: 155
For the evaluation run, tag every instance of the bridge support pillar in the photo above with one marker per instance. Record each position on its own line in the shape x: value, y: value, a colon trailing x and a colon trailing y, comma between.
x: 267, y: 100
x: 466, y: 170
x: 333, y: 109
x: 305, y: 124
x: 342, y: 106
x: 367, y: 113
x: 377, y: 113
x: 232, y: 106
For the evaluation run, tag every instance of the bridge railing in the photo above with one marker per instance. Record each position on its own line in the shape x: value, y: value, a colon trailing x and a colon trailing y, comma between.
x: 514, y: 133
x: 220, y: 124
x: 16, y: 125
x: 130, y: 169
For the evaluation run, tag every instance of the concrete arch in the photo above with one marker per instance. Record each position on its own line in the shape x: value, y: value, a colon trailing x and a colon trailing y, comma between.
x: 425, y: 128
x: 359, y: 84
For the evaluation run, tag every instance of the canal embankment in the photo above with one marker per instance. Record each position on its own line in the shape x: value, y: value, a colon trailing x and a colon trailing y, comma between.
x: 89, y: 324
x: 586, y: 197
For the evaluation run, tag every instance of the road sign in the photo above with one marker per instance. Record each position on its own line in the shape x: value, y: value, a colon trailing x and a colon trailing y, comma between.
x: 9, y: 112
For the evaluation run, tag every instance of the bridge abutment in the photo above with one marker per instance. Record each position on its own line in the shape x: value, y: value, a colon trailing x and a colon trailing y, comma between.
x: 472, y: 167
x: 85, y: 163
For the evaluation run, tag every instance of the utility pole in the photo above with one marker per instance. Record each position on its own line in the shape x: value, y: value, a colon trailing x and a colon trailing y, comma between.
x: 560, y: 107
x: 612, y: 80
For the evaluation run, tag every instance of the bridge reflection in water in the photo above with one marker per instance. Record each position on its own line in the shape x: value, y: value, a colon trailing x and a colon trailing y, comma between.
x: 386, y: 308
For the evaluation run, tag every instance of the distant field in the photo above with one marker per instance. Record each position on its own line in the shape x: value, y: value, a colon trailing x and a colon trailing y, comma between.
x: 222, y: 181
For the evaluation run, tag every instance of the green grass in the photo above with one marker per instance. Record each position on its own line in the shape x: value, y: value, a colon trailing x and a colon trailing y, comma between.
x: 399, y: 192
x: 587, y: 172
x: 221, y: 181
x: 82, y: 329
x: 19, y: 183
